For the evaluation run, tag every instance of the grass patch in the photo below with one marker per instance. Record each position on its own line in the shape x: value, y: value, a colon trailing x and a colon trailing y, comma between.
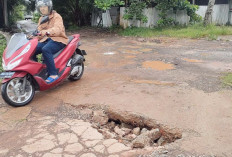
x: 2, y: 48
x: 192, y: 31
x: 227, y: 79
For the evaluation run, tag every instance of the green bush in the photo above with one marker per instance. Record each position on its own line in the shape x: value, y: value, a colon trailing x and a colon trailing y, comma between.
x: 107, y: 4
x: 135, y: 11
x: 2, y: 48
x: 166, y: 5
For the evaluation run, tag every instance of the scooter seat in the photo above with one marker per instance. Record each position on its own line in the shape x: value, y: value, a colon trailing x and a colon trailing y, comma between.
x: 70, y: 38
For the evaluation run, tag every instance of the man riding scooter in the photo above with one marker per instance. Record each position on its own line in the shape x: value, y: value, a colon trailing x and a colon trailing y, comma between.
x: 63, y: 59
x: 52, y: 37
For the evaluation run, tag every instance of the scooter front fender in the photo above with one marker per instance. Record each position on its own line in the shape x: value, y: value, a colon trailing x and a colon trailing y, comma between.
x: 16, y: 74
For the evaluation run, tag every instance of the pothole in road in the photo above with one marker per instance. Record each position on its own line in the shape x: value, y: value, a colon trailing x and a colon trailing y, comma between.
x: 158, y: 65
x: 192, y: 60
x: 132, y: 129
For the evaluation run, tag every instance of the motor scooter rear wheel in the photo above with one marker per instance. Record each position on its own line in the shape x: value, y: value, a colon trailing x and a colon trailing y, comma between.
x: 14, y: 94
x: 79, y: 74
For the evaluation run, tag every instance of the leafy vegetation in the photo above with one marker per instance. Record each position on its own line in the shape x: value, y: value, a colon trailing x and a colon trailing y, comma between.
x: 136, y: 7
x: 107, y: 4
x: 16, y: 8
x: 36, y: 17
x: 166, y: 5
x: 75, y: 12
x: 78, y: 12
x: 17, y: 13
x: 135, y: 11
x: 193, y: 31
x: 2, y: 47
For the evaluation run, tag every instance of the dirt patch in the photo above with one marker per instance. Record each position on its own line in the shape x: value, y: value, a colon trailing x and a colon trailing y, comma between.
x: 158, y: 65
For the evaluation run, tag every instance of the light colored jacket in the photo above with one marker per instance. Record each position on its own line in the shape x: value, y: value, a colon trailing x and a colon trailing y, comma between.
x: 55, y: 27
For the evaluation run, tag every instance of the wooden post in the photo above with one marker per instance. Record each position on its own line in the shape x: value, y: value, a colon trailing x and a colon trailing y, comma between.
x: 194, y: 2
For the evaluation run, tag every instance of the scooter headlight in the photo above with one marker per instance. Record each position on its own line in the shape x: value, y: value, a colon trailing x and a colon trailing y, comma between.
x: 14, y: 63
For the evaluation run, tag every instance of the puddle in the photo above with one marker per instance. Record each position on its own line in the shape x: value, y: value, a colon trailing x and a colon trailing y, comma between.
x: 154, y: 82
x: 158, y: 65
x: 192, y: 60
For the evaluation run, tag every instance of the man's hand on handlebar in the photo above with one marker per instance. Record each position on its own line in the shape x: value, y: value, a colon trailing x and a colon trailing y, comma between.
x: 38, y: 33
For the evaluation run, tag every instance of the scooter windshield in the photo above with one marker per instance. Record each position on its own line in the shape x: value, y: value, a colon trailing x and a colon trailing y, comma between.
x: 16, y: 42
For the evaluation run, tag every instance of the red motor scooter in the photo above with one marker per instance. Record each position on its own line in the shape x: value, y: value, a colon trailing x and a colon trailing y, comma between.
x: 22, y: 75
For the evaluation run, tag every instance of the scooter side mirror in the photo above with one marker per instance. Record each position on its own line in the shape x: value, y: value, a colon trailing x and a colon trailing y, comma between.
x: 44, y: 19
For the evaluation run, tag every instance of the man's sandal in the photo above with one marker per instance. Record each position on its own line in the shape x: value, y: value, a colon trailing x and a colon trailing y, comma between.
x: 50, y: 79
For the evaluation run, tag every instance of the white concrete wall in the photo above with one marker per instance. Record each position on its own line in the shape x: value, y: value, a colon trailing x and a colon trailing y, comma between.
x: 220, y: 13
x: 153, y: 16
x: 220, y: 16
x: 109, y: 17
x: 106, y: 19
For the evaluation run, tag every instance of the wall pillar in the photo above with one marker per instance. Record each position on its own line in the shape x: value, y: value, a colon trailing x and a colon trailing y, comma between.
x: 230, y: 12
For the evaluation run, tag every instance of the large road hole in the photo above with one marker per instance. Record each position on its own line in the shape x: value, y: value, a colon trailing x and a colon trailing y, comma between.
x: 132, y: 129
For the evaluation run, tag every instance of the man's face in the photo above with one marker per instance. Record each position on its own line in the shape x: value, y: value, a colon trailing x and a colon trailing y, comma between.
x: 44, y: 10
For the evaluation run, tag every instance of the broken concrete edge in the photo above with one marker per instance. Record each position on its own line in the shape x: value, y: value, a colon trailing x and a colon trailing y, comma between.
x: 137, y: 120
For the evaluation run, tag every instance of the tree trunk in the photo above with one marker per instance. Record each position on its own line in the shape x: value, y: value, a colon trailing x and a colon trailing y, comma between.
x: 229, y: 14
x: 5, y: 13
x: 209, y: 12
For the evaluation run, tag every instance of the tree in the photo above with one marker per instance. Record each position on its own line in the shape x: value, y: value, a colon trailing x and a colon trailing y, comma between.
x: 76, y: 12
x: 4, y: 13
x: 30, y: 6
x: 10, y: 11
x: 209, y: 12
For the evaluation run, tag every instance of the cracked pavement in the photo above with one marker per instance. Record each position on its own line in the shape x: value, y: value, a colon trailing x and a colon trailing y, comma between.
x: 174, y: 81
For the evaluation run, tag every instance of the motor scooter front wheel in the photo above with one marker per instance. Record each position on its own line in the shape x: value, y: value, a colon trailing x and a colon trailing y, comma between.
x: 14, y: 94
